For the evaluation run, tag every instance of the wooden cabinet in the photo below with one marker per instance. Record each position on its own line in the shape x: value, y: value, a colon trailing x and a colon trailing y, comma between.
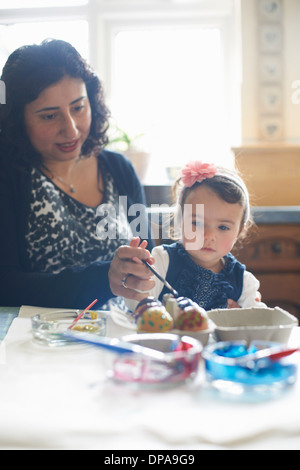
x: 272, y: 254
x: 271, y: 172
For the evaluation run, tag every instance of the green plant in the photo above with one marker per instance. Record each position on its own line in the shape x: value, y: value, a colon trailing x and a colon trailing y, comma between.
x: 119, y: 136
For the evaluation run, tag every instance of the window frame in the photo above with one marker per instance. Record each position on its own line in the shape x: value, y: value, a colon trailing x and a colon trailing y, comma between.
x: 170, y: 14
x: 24, y: 15
x: 107, y: 17
x: 47, y: 14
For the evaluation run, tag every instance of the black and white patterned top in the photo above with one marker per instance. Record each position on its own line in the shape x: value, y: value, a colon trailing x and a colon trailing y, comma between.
x: 63, y: 232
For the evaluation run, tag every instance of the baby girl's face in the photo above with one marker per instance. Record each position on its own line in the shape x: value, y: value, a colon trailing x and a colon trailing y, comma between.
x: 220, y: 226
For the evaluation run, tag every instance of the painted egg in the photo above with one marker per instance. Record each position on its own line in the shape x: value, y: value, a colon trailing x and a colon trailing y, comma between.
x: 154, y: 320
x: 184, y: 302
x: 192, y: 319
x: 145, y: 304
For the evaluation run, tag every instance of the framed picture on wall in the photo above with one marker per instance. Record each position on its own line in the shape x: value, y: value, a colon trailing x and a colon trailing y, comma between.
x: 271, y: 99
x: 271, y: 128
x: 270, y: 69
x: 270, y: 10
x: 270, y: 38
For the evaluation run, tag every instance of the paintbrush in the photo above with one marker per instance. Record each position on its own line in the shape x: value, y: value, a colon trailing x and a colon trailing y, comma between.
x: 168, y: 286
x: 82, y: 313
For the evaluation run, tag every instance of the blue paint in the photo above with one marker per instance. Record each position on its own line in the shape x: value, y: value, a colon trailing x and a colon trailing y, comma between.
x: 222, y: 364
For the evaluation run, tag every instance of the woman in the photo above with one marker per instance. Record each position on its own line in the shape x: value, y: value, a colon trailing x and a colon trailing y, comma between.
x: 60, y: 191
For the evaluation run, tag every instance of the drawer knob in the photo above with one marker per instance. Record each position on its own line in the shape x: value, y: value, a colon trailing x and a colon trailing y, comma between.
x: 276, y: 247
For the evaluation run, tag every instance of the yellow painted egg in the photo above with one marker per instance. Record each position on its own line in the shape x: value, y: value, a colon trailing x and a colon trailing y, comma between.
x: 154, y: 320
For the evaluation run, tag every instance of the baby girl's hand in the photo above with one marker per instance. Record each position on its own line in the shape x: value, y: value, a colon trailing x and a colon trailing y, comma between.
x: 258, y: 297
x: 232, y: 304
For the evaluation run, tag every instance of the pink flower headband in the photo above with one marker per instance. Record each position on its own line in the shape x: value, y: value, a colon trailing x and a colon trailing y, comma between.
x: 197, y: 171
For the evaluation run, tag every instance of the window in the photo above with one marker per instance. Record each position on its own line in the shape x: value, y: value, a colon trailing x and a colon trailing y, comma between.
x: 169, y: 68
x: 16, y: 35
x: 41, y: 3
x: 31, y: 21
x: 174, y: 82
x: 169, y: 85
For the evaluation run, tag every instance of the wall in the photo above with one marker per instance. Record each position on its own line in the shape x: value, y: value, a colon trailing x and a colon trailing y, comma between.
x: 271, y: 168
x: 291, y: 70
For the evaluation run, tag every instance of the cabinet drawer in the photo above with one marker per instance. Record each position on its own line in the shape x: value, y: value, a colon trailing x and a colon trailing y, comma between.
x: 272, y: 248
x: 282, y: 291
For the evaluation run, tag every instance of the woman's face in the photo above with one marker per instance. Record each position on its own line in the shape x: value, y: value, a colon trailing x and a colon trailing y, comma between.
x: 58, y: 122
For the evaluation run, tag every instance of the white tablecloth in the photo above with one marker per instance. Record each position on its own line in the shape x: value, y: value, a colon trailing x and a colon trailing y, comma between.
x: 62, y: 399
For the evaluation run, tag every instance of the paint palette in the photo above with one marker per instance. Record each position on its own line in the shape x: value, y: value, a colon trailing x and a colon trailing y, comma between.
x: 179, y: 362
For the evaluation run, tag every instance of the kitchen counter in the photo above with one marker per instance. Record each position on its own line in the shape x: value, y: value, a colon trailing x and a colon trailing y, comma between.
x: 158, y: 195
x: 276, y: 214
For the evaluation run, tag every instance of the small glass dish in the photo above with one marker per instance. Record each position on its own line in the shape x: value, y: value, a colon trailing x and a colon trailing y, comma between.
x: 179, y: 362
x: 228, y: 369
x: 48, y: 327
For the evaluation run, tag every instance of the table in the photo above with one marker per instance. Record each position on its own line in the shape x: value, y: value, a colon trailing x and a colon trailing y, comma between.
x: 7, y: 315
x: 62, y: 399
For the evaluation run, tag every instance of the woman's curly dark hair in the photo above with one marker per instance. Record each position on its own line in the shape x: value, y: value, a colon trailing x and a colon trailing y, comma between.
x: 28, y: 71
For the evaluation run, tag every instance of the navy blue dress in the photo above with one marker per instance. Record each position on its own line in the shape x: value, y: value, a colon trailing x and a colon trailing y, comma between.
x: 210, y: 290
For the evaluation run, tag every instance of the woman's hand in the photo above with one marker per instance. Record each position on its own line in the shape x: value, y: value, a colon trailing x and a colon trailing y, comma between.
x: 128, y: 276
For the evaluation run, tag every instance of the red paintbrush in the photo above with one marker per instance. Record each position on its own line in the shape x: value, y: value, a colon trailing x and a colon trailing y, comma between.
x: 82, y: 313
